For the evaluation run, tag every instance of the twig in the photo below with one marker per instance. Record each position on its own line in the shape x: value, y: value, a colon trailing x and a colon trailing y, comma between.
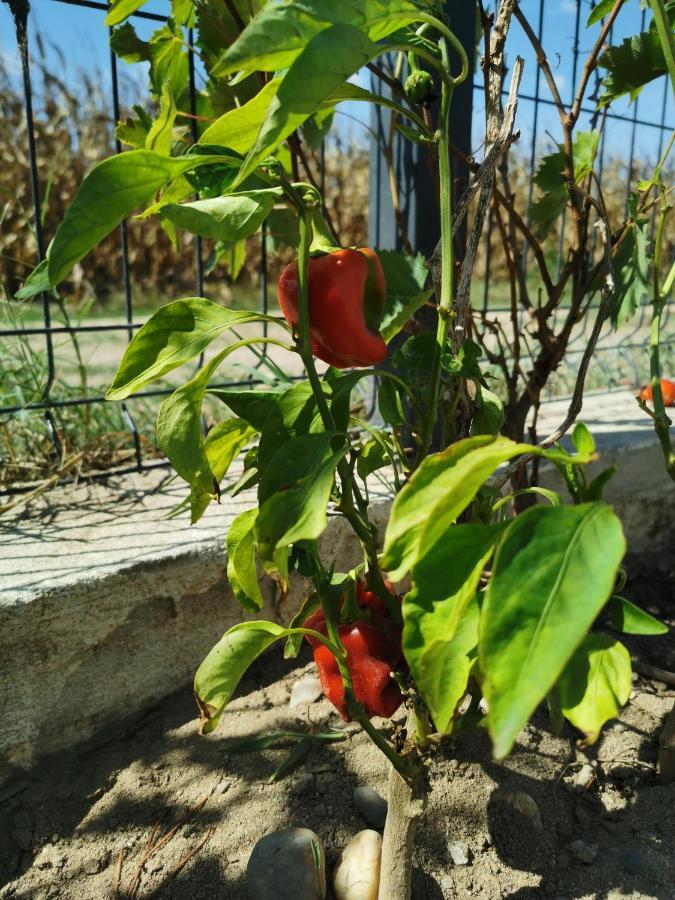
x: 649, y: 671
x: 181, y: 865
x: 590, y: 64
x: 576, y: 402
x: 485, y: 178
x: 118, y: 872
x: 45, y: 485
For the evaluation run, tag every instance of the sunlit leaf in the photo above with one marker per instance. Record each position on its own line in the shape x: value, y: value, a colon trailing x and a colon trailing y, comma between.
x: 553, y: 572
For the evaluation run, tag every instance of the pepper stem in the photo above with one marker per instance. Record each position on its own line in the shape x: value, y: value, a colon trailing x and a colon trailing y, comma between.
x: 445, y: 300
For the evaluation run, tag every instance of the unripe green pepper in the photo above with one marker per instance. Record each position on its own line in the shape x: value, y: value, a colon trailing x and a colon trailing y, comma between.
x: 419, y: 87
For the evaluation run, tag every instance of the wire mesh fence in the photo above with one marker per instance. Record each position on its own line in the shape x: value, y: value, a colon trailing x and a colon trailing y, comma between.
x: 119, y: 438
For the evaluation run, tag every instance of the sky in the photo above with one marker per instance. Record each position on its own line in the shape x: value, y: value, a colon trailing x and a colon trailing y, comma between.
x: 76, y: 38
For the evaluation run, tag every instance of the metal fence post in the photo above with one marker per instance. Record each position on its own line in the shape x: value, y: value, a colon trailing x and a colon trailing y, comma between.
x: 418, y: 204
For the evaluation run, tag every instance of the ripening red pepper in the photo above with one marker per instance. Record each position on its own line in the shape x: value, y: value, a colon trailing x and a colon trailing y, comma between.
x: 373, y: 652
x: 347, y: 290
x: 667, y: 391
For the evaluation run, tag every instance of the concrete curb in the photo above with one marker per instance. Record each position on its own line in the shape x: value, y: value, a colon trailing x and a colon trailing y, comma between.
x: 107, y: 604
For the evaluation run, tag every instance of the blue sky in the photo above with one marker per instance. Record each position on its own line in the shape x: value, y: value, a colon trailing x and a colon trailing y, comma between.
x: 82, y: 39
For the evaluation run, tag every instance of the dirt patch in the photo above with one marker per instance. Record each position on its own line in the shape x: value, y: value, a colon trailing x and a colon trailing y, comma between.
x: 548, y: 821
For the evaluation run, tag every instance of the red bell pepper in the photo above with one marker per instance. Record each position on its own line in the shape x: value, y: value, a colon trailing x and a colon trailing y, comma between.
x: 373, y: 652
x: 347, y: 290
x: 667, y: 392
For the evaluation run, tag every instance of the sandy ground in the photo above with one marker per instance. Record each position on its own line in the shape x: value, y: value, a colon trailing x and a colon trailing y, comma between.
x: 78, y: 825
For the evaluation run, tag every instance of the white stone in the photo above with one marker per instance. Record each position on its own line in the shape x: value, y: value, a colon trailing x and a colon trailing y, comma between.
x: 357, y: 876
x: 305, y: 691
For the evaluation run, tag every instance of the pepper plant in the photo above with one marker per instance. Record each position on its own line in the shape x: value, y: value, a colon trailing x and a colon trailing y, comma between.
x: 470, y: 608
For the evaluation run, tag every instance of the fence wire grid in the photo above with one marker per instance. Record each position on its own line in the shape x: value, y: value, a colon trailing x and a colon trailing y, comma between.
x: 50, y: 402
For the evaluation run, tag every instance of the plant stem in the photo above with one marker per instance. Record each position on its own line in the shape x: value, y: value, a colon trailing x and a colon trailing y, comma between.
x: 661, y: 420
x: 364, y: 530
x: 446, y: 293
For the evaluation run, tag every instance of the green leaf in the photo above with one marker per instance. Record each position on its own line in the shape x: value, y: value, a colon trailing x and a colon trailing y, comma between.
x: 255, y: 406
x: 630, y: 266
x: 603, y: 9
x: 631, y: 65
x: 489, y: 417
x: 294, y: 491
x: 175, y: 334
x: 550, y: 179
x: 406, y: 277
x: 595, y: 684
x: 120, y: 9
x: 373, y: 455
x: 280, y: 32
x: 230, y: 218
x: 553, y: 572
x: 238, y: 128
x: 179, y: 428
x: 292, y: 760
x: 222, y: 670
x: 630, y: 619
x: 160, y: 135
x: 465, y: 364
x: 390, y: 402
x: 127, y: 45
x: 36, y: 283
x: 328, y: 60
x: 169, y: 59
x: 440, y: 616
x: 241, y: 561
x: 295, y: 413
x: 583, y: 440
x: 109, y: 193
x: 134, y: 130
x: 440, y: 489
x: 223, y: 444
x: 309, y: 605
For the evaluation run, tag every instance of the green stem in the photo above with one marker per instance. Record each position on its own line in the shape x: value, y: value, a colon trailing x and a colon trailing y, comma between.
x: 445, y: 300
x: 666, y: 38
x: 455, y: 42
x: 366, y: 533
x: 661, y: 420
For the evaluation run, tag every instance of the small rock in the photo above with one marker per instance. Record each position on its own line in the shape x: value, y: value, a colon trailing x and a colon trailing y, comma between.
x: 447, y: 886
x: 585, y: 777
x: 224, y: 786
x: 619, y: 728
x: 522, y: 803
x: 585, y: 853
x: 372, y: 807
x: 93, y: 865
x: 306, y: 691
x: 287, y: 865
x: 320, y: 809
x: 459, y: 853
x: 486, y: 841
x: 357, y: 876
x: 55, y: 837
x: 633, y: 862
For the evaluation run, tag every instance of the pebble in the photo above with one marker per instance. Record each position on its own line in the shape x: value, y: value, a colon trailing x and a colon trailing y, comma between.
x: 459, y: 853
x: 357, y: 876
x: 447, y: 886
x: 372, y: 807
x: 522, y: 803
x: 619, y: 727
x: 93, y: 865
x: 307, y: 690
x: 287, y: 865
x: 585, y: 853
x: 50, y: 857
x: 224, y: 786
